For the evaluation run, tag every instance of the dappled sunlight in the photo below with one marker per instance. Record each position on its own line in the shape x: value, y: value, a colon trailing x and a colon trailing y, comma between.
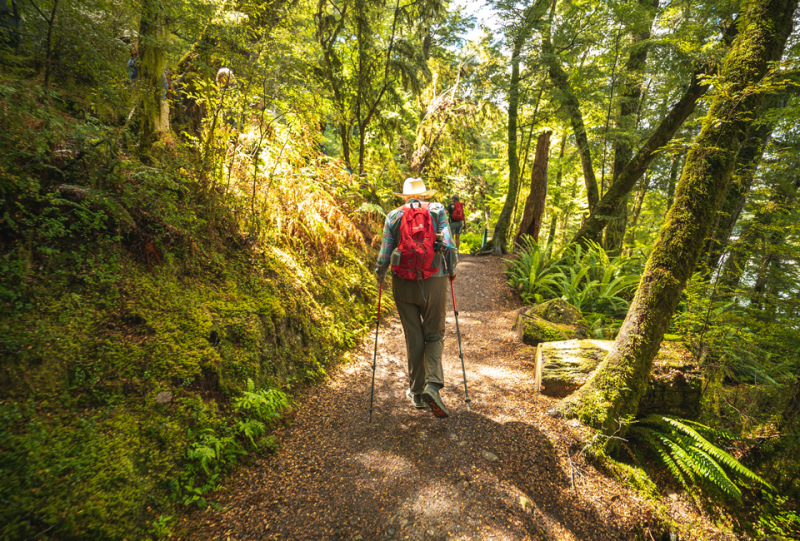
x: 385, y: 462
x: 435, y: 500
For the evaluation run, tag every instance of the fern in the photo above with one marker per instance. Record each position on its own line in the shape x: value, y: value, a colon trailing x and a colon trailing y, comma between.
x: 535, y: 273
x: 682, y: 447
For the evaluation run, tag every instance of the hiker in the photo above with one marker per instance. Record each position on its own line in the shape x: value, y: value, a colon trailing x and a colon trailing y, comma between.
x: 226, y: 84
x: 419, y: 284
x: 133, y: 64
x: 456, y: 212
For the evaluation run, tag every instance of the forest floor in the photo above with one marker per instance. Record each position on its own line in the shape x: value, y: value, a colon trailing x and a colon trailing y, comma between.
x: 502, y: 469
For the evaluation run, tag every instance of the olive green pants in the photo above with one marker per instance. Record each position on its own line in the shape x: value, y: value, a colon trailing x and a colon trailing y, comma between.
x: 421, y: 305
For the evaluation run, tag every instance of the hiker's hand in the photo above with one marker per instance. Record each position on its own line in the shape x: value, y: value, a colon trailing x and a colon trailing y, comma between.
x: 379, y: 277
x: 452, y: 277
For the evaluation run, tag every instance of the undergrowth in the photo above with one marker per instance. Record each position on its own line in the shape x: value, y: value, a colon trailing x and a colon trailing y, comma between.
x: 599, y: 285
x: 156, y: 317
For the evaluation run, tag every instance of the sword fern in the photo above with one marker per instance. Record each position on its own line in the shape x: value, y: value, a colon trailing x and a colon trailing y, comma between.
x: 684, y: 449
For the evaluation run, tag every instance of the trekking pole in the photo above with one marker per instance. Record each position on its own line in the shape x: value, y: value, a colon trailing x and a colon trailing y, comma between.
x: 375, y: 356
x: 458, y: 333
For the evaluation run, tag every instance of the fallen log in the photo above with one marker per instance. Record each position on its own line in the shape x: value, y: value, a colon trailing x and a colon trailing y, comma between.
x: 562, y: 367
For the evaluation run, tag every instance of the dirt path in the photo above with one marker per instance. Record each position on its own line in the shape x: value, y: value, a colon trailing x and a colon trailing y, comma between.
x: 503, y: 470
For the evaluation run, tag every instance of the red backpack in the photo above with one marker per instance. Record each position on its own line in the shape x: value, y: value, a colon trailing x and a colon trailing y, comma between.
x: 417, y: 237
x: 458, y: 211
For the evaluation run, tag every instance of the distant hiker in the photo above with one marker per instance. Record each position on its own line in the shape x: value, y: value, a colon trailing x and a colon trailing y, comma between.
x: 133, y: 64
x: 456, y: 212
x: 409, y: 244
x: 166, y: 89
x: 226, y: 85
x: 225, y: 78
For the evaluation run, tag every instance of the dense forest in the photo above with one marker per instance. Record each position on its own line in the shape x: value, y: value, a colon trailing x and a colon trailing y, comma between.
x: 192, y: 196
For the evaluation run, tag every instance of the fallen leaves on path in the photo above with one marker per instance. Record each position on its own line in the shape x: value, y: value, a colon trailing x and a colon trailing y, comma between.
x: 502, y: 470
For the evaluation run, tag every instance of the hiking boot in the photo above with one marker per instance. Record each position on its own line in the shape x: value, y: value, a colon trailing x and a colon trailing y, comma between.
x: 431, y: 397
x: 416, y: 400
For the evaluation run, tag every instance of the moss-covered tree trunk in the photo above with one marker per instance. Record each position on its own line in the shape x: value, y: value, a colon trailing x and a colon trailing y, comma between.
x: 500, y: 236
x: 626, y: 121
x: 565, y: 96
x: 153, y: 117
x: 557, y: 192
x: 614, y: 391
x: 534, y: 204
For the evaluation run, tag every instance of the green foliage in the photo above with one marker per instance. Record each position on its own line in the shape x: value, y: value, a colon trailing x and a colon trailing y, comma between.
x: 535, y: 272
x: 595, y: 282
x: 217, y: 450
x: 258, y: 409
x: 122, y: 281
x: 720, y: 333
x: 587, y: 278
x: 682, y: 447
x: 776, y: 517
x: 470, y: 243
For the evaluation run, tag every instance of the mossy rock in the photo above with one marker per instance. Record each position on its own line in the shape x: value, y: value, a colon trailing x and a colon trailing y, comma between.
x: 568, y: 364
x: 558, y: 311
x: 675, y: 386
x: 533, y: 330
x: 551, y: 321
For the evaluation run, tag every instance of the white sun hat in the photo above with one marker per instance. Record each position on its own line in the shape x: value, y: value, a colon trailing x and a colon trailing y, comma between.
x: 415, y: 186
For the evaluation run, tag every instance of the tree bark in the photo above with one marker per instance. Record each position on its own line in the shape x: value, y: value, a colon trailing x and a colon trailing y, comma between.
x: 534, y: 205
x: 557, y: 195
x: 566, y: 97
x: 626, y: 121
x: 152, y: 33
x: 613, y: 393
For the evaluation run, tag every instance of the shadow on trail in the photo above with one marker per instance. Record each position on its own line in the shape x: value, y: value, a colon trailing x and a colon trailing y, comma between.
x: 408, y: 475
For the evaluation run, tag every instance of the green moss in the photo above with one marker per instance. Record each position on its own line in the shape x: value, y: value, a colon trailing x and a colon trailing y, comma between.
x: 87, y: 449
x: 534, y: 330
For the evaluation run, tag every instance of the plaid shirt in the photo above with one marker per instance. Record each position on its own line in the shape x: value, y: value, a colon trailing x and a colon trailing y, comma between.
x: 391, y: 238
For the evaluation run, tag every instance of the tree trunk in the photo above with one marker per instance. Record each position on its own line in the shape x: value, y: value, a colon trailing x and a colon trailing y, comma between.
x: 630, y: 101
x: 557, y: 194
x: 637, y: 209
x: 152, y: 34
x: 635, y: 168
x: 499, y: 238
x: 534, y: 205
x: 673, y: 178
x: 613, y: 393
x: 565, y: 222
x: 48, y: 60
x: 564, y: 94
x: 523, y: 160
